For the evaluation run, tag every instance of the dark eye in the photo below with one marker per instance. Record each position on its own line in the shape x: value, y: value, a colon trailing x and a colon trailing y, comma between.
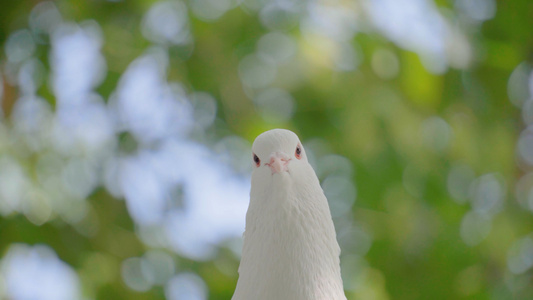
x: 257, y: 160
x: 298, y: 152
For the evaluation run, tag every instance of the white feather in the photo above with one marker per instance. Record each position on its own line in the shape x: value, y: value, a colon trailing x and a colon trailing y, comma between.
x: 290, y: 250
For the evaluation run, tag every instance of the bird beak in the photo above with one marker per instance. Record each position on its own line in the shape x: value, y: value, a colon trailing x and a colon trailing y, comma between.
x: 278, y: 162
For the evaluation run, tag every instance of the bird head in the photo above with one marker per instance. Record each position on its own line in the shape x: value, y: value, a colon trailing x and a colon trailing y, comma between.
x: 277, y: 152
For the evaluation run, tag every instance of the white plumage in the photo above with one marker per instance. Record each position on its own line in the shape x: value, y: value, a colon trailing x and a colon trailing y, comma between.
x: 290, y: 250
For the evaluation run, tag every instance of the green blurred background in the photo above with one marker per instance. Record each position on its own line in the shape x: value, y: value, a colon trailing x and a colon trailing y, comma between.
x: 126, y: 129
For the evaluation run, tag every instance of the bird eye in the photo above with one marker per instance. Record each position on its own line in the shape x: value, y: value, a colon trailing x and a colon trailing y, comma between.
x: 257, y: 160
x: 298, y: 152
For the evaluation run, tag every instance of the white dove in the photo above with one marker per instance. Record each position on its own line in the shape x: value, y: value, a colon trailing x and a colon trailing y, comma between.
x: 290, y: 251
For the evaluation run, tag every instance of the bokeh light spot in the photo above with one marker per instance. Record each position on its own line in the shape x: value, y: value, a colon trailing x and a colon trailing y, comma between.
x: 525, y: 146
x: 517, y: 86
x: 19, y: 46
x: 436, y: 134
x: 186, y: 286
x: 459, y: 180
x: 341, y: 194
x: 210, y: 10
x: 256, y: 73
x: 167, y: 23
x: 24, y: 266
x: 133, y: 276
x: 520, y: 256
x: 478, y: 10
x: 276, y: 47
x: 275, y: 105
x: 475, y: 227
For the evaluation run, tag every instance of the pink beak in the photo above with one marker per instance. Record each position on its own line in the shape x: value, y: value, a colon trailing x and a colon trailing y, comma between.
x: 278, y: 162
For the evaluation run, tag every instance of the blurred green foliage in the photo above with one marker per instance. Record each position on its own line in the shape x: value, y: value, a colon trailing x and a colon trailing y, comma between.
x: 383, y: 126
